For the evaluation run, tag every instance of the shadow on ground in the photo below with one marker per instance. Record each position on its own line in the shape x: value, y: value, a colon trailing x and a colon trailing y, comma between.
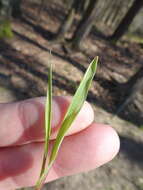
x: 33, y: 73
x: 132, y: 149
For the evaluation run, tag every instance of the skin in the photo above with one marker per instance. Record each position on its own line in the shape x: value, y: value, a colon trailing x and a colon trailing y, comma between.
x: 87, y: 145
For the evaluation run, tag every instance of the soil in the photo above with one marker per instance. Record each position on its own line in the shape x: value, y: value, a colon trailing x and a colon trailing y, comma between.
x: 24, y: 62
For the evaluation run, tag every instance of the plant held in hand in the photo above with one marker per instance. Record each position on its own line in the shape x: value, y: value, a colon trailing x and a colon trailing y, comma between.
x: 72, y: 112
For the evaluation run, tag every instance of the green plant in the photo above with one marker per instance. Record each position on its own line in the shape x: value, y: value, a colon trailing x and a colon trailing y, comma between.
x: 5, y: 29
x: 72, y: 112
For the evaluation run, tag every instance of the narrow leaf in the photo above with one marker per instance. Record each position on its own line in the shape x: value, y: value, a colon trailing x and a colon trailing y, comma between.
x: 75, y: 107
x: 48, y: 118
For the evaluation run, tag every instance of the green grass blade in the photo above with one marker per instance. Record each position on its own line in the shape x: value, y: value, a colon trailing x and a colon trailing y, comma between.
x: 75, y: 107
x: 73, y: 110
x: 48, y: 111
x: 48, y: 118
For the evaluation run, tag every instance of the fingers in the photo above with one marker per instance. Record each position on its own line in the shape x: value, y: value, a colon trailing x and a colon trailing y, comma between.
x: 82, y: 151
x: 23, y: 122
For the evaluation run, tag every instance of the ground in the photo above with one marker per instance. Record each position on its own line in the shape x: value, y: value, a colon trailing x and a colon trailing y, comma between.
x: 23, y: 74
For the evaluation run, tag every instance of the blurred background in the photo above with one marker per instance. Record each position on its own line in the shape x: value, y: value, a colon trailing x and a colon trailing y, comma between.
x: 76, y: 31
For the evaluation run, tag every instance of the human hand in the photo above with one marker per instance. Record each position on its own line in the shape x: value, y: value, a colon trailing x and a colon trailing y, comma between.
x: 87, y: 146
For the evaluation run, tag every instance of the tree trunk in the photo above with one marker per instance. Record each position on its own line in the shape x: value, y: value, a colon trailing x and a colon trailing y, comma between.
x: 65, y: 26
x: 115, y: 19
x: 126, y: 21
x: 16, y: 8
x: 81, y: 6
x: 131, y: 88
x: 109, y: 11
x: 84, y: 25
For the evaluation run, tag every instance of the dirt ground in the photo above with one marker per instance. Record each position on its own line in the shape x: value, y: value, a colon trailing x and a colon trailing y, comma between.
x: 23, y: 74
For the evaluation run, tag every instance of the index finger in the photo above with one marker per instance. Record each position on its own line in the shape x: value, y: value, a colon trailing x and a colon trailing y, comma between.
x: 23, y: 122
